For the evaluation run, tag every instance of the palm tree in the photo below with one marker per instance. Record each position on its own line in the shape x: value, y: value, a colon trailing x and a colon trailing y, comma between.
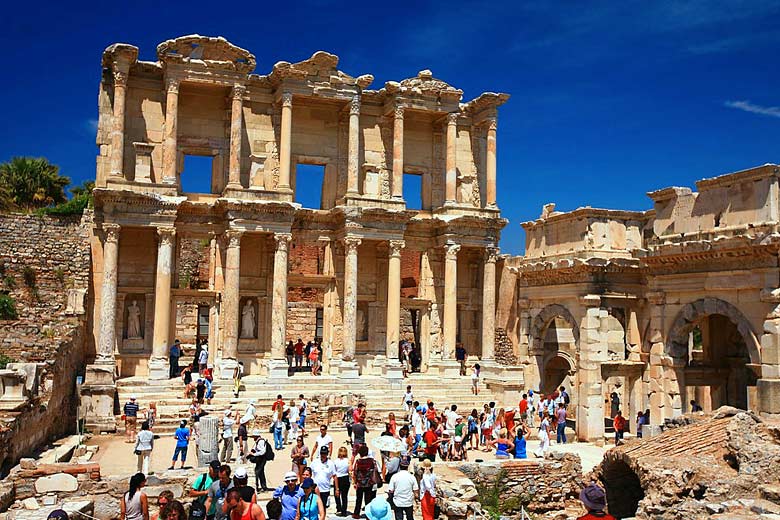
x: 32, y: 183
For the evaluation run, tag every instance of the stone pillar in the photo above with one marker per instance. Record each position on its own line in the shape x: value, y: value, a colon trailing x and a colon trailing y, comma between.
x: 451, y: 160
x: 393, y: 305
x: 170, y: 148
x: 208, y: 437
x: 118, y: 124
x: 230, y: 301
x: 348, y: 367
x: 158, y: 363
x: 107, y: 340
x: 450, y: 300
x: 490, y: 166
x: 353, y: 153
x: 285, y: 145
x: 593, y: 352
x: 236, y: 131
x: 398, y: 154
x: 277, y: 365
x: 489, y: 304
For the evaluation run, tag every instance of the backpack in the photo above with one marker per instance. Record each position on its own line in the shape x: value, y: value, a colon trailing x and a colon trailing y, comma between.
x: 198, y: 507
x: 566, y: 399
x: 269, y: 453
x: 364, y: 472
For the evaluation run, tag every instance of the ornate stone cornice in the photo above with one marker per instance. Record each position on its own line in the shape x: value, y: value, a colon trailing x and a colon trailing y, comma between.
x: 111, y: 232
x: 282, y: 241
x: 451, y: 250
x: 351, y: 244
x: 396, y: 246
x: 166, y: 235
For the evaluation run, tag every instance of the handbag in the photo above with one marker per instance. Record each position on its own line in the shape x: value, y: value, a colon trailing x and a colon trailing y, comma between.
x: 376, y: 477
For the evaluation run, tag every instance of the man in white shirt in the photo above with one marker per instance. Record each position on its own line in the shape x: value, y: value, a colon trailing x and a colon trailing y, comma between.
x: 203, y: 357
x: 324, y: 474
x: 452, y: 417
x: 404, y: 489
x: 323, y: 440
x: 227, y: 437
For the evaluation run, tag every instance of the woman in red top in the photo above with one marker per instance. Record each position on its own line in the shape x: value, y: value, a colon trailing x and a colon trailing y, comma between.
x: 431, y: 442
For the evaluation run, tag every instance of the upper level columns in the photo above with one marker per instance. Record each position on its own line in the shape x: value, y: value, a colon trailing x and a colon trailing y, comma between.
x: 158, y: 364
x: 236, y: 127
x: 489, y: 303
x: 170, y: 151
x: 451, y: 167
x: 118, y: 124
x: 450, y: 300
x: 393, y: 298
x: 490, y: 167
x: 230, y: 300
x: 107, y: 339
x: 285, y: 145
x: 398, y: 153
x: 353, y: 151
x: 350, y: 297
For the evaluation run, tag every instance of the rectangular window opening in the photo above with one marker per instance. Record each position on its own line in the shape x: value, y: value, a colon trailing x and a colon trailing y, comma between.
x: 309, y: 179
x: 413, y: 191
x: 196, y: 176
x: 318, y: 326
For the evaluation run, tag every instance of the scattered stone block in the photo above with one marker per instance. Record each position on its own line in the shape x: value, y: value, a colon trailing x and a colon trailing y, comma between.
x: 61, y: 482
x: 31, y: 504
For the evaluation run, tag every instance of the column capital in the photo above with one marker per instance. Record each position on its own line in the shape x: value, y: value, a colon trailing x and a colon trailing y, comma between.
x: 282, y: 241
x: 491, y: 254
x: 120, y: 78
x: 354, y: 106
x: 351, y: 244
x: 172, y: 85
x: 399, y: 112
x: 233, y: 237
x: 238, y: 91
x: 452, y: 118
x: 287, y: 99
x: 451, y: 250
x: 492, y: 123
x: 166, y: 235
x: 111, y: 232
x: 590, y: 300
x: 396, y: 246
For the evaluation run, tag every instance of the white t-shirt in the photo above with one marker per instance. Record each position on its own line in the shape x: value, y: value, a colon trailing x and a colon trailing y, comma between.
x: 227, y: 428
x: 294, y: 414
x: 403, y: 485
x: 408, y: 397
x: 452, y: 417
x: 417, y: 424
x: 303, y: 406
x: 323, y: 441
x: 203, y: 357
x: 428, y: 484
x: 342, y: 466
x: 322, y: 474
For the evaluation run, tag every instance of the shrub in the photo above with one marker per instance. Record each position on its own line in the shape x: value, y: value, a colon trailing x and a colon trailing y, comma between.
x: 59, y: 274
x: 29, y: 276
x: 490, y: 497
x: 9, y: 281
x: 4, y: 360
x: 7, y: 307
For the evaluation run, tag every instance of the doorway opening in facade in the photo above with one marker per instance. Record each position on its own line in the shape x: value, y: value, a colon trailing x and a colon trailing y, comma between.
x: 559, y: 347
x: 624, y: 490
x: 309, y: 185
x: 557, y: 372
x: 196, y: 176
x: 413, y: 191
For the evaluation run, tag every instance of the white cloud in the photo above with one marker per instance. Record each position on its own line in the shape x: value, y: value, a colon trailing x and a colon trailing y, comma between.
x: 747, y: 106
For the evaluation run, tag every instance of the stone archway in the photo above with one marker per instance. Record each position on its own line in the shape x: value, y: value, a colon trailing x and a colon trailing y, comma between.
x: 542, y: 321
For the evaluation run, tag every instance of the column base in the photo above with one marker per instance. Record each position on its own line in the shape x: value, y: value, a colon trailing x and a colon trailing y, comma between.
x: 226, y: 367
x: 349, y: 370
x: 445, y: 367
x: 768, y: 396
x: 393, y: 371
x: 159, y: 369
x: 97, y: 398
x: 278, y: 369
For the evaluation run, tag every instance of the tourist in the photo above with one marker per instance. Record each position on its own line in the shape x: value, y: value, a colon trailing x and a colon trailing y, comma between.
x: 444, y: 442
x: 174, y: 353
x: 294, y: 417
x: 323, y: 472
x: 431, y: 441
x: 595, y: 501
x: 314, y: 360
x: 533, y: 399
x: 522, y: 409
x: 273, y: 509
x: 404, y: 489
x: 200, y: 490
x: 289, y: 352
x: 277, y: 426
x: 134, y: 504
x: 58, y: 514
x: 298, y: 353
x: 614, y: 404
x: 392, y: 425
x: 560, y: 418
x: 227, y: 437
x: 475, y: 379
x: 544, y: 436
x: 323, y: 440
x: 503, y: 444
x: 640, y: 421
x: 182, y: 435
x: 144, y: 444
x: 203, y: 357
x: 186, y: 378
x: 359, y: 430
x: 696, y: 407
x: 243, y: 439
x: 460, y: 357
x: 218, y: 493
x: 406, y: 437
x: 299, y: 456
x: 289, y: 494
x: 349, y: 422
x: 509, y: 420
x: 486, y: 427
x: 379, y: 509
x: 341, y: 463
x: 208, y: 373
x: 364, y: 478
x: 238, y: 373
x: 390, y: 465
x: 307, y: 351
x: 406, y: 360
x: 209, y: 388
x: 407, y: 401
x: 260, y: 454
x: 165, y: 498
x: 473, y: 430
x: 200, y: 390
x: 303, y: 408
x: 451, y: 416
x: 241, y: 509
x: 241, y: 483
x: 310, y: 505
x: 251, y: 411
x: 173, y: 510
x: 418, y: 424
x: 520, y: 451
x: 278, y: 404
x: 457, y: 449
x: 619, y: 423
x: 130, y: 411
x: 428, y: 491
x: 564, y: 395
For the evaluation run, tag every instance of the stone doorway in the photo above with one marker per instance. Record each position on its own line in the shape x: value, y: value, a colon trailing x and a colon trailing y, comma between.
x: 624, y: 490
x: 558, y: 371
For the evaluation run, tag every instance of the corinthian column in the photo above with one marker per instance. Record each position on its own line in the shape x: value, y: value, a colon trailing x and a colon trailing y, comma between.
x: 170, y: 150
x: 348, y: 366
x: 451, y: 165
x: 118, y: 124
x: 277, y: 366
x: 230, y: 299
x: 158, y: 363
x: 393, y: 298
x: 105, y: 350
x: 398, y: 153
x: 236, y: 126
x: 285, y: 145
x: 353, y: 152
x: 489, y: 304
x: 450, y: 300
x: 490, y: 167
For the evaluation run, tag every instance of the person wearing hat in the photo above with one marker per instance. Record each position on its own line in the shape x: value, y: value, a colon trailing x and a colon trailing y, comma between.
x: 200, y: 488
x: 403, y: 489
x: 243, y: 438
x: 260, y: 454
x: 457, y: 449
x: 240, y: 509
x: 241, y: 483
x: 174, y: 353
x: 289, y: 494
x: 227, y: 436
x: 130, y: 411
x: 324, y: 475
x: 379, y: 509
x: 58, y: 514
x: 427, y: 490
x: 310, y: 505
x: 594, y: 499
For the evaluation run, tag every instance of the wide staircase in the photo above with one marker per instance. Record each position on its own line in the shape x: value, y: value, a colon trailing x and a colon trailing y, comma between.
x: 327, y: 396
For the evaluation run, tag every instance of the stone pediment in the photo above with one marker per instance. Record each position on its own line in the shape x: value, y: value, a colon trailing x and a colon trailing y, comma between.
x: 425, y: 85
x: 320, y: 68
x: 211, y: 52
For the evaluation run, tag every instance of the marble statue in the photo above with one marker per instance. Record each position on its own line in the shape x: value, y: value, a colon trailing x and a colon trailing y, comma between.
x: 133, y: 321
x: 248, y: 320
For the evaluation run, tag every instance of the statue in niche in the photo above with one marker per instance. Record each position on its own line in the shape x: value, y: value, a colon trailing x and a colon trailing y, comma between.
x: 133, y: 321
x: 248, y: 320
x: 361, y: 329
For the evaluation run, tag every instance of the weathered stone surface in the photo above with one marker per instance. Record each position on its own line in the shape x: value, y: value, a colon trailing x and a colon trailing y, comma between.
x: 56, y: 483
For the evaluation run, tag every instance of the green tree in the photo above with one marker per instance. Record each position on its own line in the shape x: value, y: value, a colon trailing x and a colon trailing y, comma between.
x: 32, y: 183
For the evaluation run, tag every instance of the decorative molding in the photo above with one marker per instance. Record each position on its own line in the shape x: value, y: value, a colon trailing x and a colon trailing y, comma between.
x: 451, y: 250
x: 492, y: 124
x: 399, y: 112
x: 452, y: 118
x: 166, y: 235
x: 238, y: 92
x: 120, y: 78
x: 111, y: 233
x: 172, y: 85
x: 233, y: 238
x: 491, y: 254
x: 282, y: 241
x: 351, y: 244
x: 287, y: 99
x: 354, y: 106
x: 656, y: 297
x: 590, y: 300
x: 396, y: 246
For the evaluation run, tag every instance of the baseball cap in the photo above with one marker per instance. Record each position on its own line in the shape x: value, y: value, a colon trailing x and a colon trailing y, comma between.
x: 240, y: 473
x: 133, y: 397
x: 307, y: 483
x: 290, y: 475
x: 324, y: 450
x: 215, y: 465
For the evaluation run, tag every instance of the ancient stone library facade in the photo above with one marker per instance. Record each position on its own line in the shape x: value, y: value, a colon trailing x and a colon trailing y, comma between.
x: 659, y: 307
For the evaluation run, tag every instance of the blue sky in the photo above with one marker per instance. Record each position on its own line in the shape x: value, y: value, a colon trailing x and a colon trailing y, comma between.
x: 609, y: 99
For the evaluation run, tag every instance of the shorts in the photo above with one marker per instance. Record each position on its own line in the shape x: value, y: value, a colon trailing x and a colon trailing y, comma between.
x: 130, y: 423
x: 182, y: 450
x: 302, y: 421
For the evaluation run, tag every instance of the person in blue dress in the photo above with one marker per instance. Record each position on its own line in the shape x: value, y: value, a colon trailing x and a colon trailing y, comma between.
x: 289, y: 494
x: 310, y: 505
x: 520, y: 435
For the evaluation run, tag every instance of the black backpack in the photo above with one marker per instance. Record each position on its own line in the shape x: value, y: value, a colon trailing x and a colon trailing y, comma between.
x: 566, y: 399
x: 269, y: 452
x: 198, y: 507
